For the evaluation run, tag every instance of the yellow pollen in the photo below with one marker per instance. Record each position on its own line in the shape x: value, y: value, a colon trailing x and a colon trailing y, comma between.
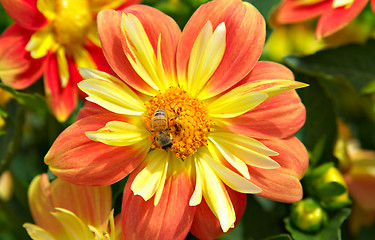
x: 72, y: 22
x: 187, y: 121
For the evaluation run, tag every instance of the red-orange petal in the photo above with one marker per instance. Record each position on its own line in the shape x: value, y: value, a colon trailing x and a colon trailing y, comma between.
x: 245, y: 29
x: 333, y: 19
x: 373, y: 5
x: 17, y: 68
x: 362, y: 190
x: 207, y: 226
x: 90, y: 109
x: 280, y: 116
x: 282, y: 184
x: 128, y: 3
x: 155, y: 23
x: 62, y: 100
x: 291, y: 11
x: 77, y: 159
x: 25, y: 13
x: 170, y: 219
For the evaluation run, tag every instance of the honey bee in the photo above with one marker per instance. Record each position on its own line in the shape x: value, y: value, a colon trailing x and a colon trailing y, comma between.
x: 160, y: 125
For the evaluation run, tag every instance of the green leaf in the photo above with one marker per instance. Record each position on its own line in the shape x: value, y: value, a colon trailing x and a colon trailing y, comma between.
x: 369, y: 88
x: 331, y: 231
x: 352, y: 62
x: 320, y: 130
x: 34, y: 102
x: 279, y: 237
x: 330, y: 189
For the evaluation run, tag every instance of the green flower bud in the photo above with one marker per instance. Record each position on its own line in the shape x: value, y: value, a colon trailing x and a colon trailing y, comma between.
x: 308, y: 216
x: 332, y: 190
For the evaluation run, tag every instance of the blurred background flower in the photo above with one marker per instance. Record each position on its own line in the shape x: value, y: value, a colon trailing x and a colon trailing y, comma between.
x: 52, y: 38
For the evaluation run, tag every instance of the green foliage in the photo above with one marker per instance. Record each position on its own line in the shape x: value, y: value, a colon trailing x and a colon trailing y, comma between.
x: 331, y: 230
x: 34, y: 102
x: 320, y: 130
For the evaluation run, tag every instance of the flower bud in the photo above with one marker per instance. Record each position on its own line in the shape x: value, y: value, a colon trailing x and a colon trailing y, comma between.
x: 308, y: 216
x: 332, y: 190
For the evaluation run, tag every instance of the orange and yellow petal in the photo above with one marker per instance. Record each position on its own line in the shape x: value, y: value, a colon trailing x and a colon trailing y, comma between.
x: 74, y: 227
x: 91, y: 204
x: 36, y: 232
x: 110, y: 93
x: 206, y: 55
x: 240, y: 151
x: 214, y: 177
x: 99, y: 164
x: 17, y: 68
x: 25, y: 13
x: 279, y: 116
x: 207, y: 226
x: 171, y: 218
x: 41, y: 205
x: 282, y: 184
x: 333, y: 19
x: 373, y: 5
x: 162, y: 34
x: 62, y: 100
x: 245, y: 34
x: 291, y: 11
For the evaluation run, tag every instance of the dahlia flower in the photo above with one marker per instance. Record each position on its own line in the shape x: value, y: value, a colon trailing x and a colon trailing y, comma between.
x: 333, y: 14
x: 52, y: 38
x: 62, y: 210
x: 194, y: 120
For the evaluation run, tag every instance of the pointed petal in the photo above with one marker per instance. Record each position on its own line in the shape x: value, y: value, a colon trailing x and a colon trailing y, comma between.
x: 91, y: 204
x: 117, y: 133
x: 333, y: 19
x: 279, y: 116
x: 241, y: 151
x: 205, y: 57
x: 151, y: 179
x: 291, y: 11
x: 245, y: 34
x: 155, y: 24
x: 40, y: 43
x: 74, y: 227
x: 214, y: 193
x: 36, y: 232
x: 68, y: 157
x: 25, y: 13
x: 41, y: 205
x: 110, y: 93
x: 373, y: 5
x: 206, y: 226
x: 235, y: 103
x: 171, y: 218
x: 282, y: 184
x: 62, y: 100
x: 17, y: 68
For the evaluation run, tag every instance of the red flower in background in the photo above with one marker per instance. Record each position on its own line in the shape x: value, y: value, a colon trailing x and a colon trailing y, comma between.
x: 333, y: 14
x: 53, y: 38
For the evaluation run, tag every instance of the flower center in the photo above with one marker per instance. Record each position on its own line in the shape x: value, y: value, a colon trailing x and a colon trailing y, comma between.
x: 72, y: 22
x: 177, y: 122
